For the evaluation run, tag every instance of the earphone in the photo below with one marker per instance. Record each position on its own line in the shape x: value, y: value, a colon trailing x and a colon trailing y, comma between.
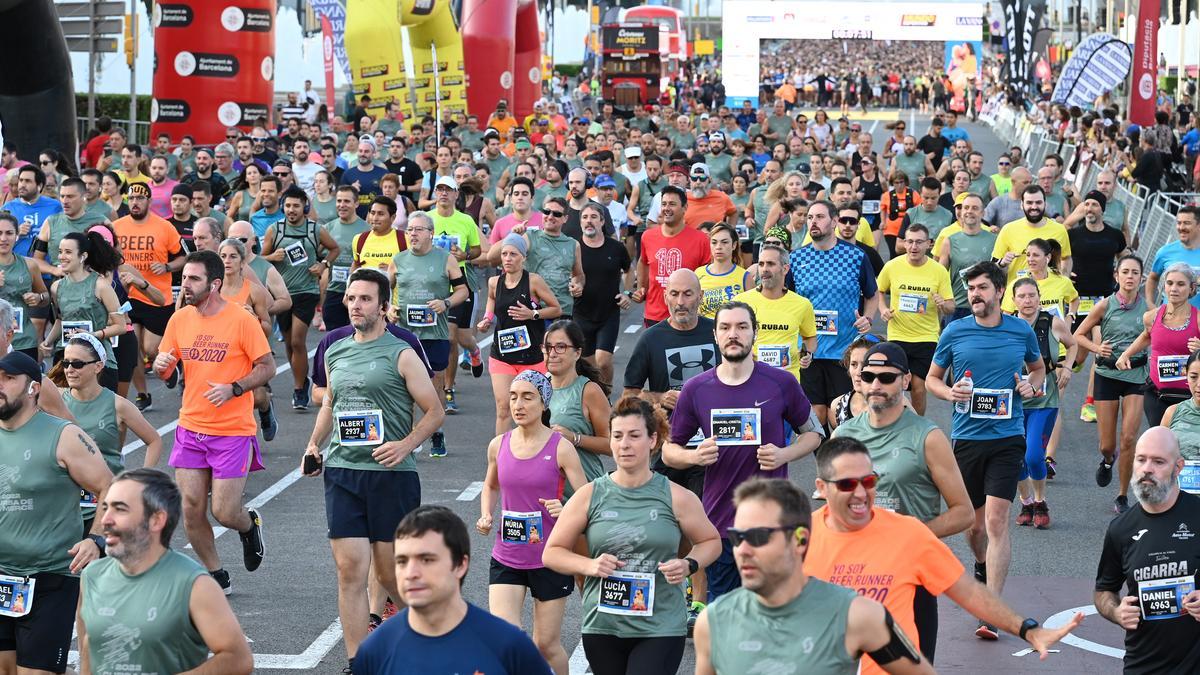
x: 800, y: 533
x: 29, y: 391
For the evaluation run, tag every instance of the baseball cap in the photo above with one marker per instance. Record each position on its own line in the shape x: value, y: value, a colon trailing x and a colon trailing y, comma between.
x: 887, y: 354
x: 961, y: 198
x: 700, y: 170
x: 605, y: 181
x: 502, y: 105
x: 446, y: 181
x: 490, y: 133
x: 716, y: 136
x: 583, y: 120
x: 18, y: 363
x: 368, y: 140
x: 204, y: 150
x: 937, y: 122
x: 633, y: 151
x: 804, y: 168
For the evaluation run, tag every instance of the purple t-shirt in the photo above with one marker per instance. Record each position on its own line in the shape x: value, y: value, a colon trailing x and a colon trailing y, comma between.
x: 777, y: 396
x: 318, y: 369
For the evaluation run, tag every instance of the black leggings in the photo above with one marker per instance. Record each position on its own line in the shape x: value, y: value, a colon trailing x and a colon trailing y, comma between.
x: 925, y: 615
x: 1155, y: 403
x: 609, y: 655
x: 127, y: 353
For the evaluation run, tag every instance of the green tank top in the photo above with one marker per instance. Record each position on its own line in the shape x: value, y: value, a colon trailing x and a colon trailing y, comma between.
x: 553, y: 258
x: 77, y: 301
x: 739, y: 203
x: 300, y: 253
x: 966, y: 250
x: 807, y: 635
x: 1186, y: 425
x: 98, y: 419
x: 982, y: 186
x: 39, y: 503
x: 325, y: 211
x: 364, y: 379
x: 1120, y: 327
x: 1114, y: 213
x: 18, y: 282
x: 344, y: 235
x: 244, y: 207
x: 638, y: 526
x: 936, y: 221
x: 566, y: 410
x: 60, y: 226
x: 419, y: 279
x: 260, y: 266
x: 718, y: 165
x: 646, y: 191
x: 1049, y: 399
x: 913, y: 166
x: 761, y: 210
x: 898, y: 453
x: 142, y: 624
x: 1003, y: 184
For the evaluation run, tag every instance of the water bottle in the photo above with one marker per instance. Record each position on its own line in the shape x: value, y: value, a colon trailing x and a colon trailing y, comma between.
x: 964, y: 407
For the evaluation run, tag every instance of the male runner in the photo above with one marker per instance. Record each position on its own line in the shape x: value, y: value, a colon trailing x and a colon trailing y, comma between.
x: 343, y: 231
x: 787, y: 327
x: 1015, y: 236
x: 605, y: 263
x: 669, y: 246
x: 224, y: 354
x: 270, y: 191
x: 455, y: 231
x: 74, y: 217
x: 376, y: 247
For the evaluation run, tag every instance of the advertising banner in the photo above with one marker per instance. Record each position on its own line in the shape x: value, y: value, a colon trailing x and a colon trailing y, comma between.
x: 1144, y: 86
x: 1099, y: 64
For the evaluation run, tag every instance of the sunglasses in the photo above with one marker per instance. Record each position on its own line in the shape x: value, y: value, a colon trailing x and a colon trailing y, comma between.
x: 554, y: 214
x: 755, y: 536
x: 244, y: 240
x: 848, y: 220
x: 281, y: 174
x: 45, y: 162
x: 76, y: 364
x: 1004, y: 163
x: 229, y: 136
x: 901, y: 127
x: 869, y: 376
x: 868, y: 482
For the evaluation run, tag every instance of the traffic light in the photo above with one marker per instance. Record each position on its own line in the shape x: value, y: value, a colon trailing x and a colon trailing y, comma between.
x: 130, y: 45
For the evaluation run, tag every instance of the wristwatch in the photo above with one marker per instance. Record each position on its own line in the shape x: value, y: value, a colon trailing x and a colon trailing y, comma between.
x: 237, y: 389
x: 99, y: 541
x: 537, y: 314
x: 693, y: 566
x: 1028, y: 625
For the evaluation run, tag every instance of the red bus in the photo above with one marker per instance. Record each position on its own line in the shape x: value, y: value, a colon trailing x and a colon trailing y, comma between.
x: 669, y: 19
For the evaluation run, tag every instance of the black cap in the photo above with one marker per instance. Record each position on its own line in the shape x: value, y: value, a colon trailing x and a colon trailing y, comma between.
x: 17, y: 363
x: 887, y: 354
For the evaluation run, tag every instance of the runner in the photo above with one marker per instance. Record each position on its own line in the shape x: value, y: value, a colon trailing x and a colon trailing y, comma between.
x: 987, y: 431
x: 920, y: 293
x: 722, y: 278
x: 427, y: 284
x: 1184, y: 417
x: 598, y: 308
x: 787, y: 329
x: 23, y: 289
x: 240, y: 288
x: 215, y: 447
x: 54, y: 460
x: 579, y: 409
x: 530, y: 495
x: 837, y: 278
x: 840, y: 626
x: 1185, y: 250
x: 74, y: 217
x: 84, y: 302
x: 343, y: 229
x: 147, y: 589
x: 270, y: 197
x: 432, y: 558
x: 553, y: 255
x: 1014, y: 237
x: 365, y: 175
x: 454, y: 231
x: 962, y: 248
x: 929, y: 213
x: 376, y: 247
x: 669, y: 247
x: 293, y: 247
x: 895, y: 558
x: 1145, y: 552
x: 634, y: 618
x: 739, y: 403
x: 371, y: 479
x: 854, y: 402
x: 262, y: 270
x: 757, y: 210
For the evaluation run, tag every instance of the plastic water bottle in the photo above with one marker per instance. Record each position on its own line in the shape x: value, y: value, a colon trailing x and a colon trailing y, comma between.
x: 964, y: 407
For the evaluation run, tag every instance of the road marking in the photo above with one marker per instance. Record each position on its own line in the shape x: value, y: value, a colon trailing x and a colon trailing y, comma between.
x: 632, y: 328
x: 874, y: 125
x: 308, y: 659
x: 1060, y: 619
x: 471, y: 492
x: 912, y: 121
x: 263, y: 497
x: 578, y: 663
x: 1027, y: 651
x: 616, y: 349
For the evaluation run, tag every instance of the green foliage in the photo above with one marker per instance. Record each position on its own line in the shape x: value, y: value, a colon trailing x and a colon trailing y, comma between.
x: 116, y: 106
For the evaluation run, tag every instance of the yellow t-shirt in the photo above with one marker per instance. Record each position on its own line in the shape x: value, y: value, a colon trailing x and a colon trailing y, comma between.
x: 915, y: 314
x: 782, y: 326
x: 1057, y: 294
x: 863, y: 234
x: 948, y: 230
x: 718, y: 288
x: 376, y: 251
x: 1015, y: 236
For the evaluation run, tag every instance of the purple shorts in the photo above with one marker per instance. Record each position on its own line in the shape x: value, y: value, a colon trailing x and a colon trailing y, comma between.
x: 226, y: 456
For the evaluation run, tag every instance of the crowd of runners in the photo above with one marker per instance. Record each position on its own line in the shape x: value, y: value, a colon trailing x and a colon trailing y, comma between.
x: 806, y: 288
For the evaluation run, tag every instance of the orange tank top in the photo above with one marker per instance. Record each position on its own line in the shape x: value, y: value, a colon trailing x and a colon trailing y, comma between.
x: 242, y: 296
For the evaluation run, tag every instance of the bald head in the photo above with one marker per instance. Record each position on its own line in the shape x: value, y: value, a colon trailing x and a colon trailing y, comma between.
x: 682, y: 297
x: 241, y: 229
x: 1156, y: 466
x: 207, y: 234
x: 1161, y: 440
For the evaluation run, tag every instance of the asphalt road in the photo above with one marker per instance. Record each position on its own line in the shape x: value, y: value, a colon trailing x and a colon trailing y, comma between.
x: 288, y: 608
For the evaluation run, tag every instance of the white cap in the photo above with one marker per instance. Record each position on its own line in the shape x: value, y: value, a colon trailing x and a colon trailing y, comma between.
x: 633, y: 151
x: 448, y: 182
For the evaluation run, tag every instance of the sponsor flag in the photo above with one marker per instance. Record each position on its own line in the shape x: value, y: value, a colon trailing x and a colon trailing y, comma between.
x: 1099, y: 64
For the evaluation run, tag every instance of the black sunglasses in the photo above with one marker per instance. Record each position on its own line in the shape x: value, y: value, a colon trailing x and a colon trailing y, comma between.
x: 755, y: 536
x: 868, y: 481
x: 281, y: 174
x: 244, y: 240
x: 556, y: 214
x: 886, y: 378
x: 76, y: 364
x: 848, y: 220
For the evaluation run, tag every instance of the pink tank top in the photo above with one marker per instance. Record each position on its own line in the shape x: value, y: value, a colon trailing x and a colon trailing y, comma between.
x: 524, y: 523
x: 1169, y: 351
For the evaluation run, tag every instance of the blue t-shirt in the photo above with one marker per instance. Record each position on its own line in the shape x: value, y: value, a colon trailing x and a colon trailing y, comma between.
x: 368, y: 185
x: 993, y: 355
x: 952, y: 135
x: 1191, y: 141
x: 262, y: 221
x: 35, y: 214
x: 482, y: 643
x: 834, y: 281
x: 1169, y: 255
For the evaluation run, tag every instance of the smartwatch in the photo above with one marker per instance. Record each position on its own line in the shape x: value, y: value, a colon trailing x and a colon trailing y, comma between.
x: 237, y: 389
x: 1028, y: 625
x: 99, y: 541
x: 693, y: 566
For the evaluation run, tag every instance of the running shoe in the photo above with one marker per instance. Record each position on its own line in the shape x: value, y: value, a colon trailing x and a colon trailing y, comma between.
x: 1051, y: 468
x: 143, y: 402
x: 464, y: 360
x: 300, y: 398
x: 1025, y: 517
x: 253, y: 547
x: 986, y: 632
x: 981, y: 572
x: 1088, y: 413
x: 266, y: 419
x: 451, y: 404
x: 1104, y: 474
x: 173, y: 380
x: 1121, y: 504
x: 390, y: 609
x: 222, y: 579
x: 437, y: 446
x: 476, y: 363
x: 693, y: 614
x: 1041, y: 515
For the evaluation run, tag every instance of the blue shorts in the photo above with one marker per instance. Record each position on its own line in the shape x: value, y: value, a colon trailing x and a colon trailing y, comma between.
x: 438, y: 354
x: 368, y: 504
x: 722, y: 574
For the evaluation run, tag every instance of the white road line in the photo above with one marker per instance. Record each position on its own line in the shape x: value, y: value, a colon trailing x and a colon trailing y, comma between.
x: 578, y: 663
x: 471, y: 492
x: 263, y: 497
x: 912, y: 121
x: 308, y: 659
x: 633, y: 328
x: 874, y: 126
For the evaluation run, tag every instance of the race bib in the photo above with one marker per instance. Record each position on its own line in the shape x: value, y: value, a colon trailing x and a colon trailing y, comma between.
x: 627, y: 593
x: 1087, y: 302
x: 774, y: 355
x: 174, y: 292
x: 514, y: 339
x: 360, y: 427
x: 1172, y: 368
x: 419, y: 315
x: 1053, y: 310
x: 1189, y: 478
x: 1163, y: 598
x: 16, y: 595
x: 296, y: 254
x: 914, y: 303
x: 87, y: 500
x: 521, y: 528
x: 870, y: 207
x: 743, y: 232
x: 826, y: 321
x: 696, y: 439
x: 71, y: 328
x: 736, y: 426
x: 18, y: 319
x: 991, y: 404
x: 339, y: 274
x: 445, y: 241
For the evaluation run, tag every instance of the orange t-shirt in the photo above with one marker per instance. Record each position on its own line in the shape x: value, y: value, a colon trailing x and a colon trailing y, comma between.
x: 885, y: 561
x: 154, y: 240
x: 220, y: 349
x: 502, y: 125
x: 716, y: 206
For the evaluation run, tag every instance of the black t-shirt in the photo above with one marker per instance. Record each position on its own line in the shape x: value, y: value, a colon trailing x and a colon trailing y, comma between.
x: 1093, y: 256
x: 409, y: 173
x: 665, y: 358
x: 184, y: 228
x: 935, y: 144
x: 602, y: 268
x: 873, y: 256
x: 574, y: 230
x: 1155, y: 558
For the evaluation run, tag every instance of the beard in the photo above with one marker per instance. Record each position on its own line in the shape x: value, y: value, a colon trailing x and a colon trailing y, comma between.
x: 1152, y: 492
x: 10, y: 409
x: 132, y: 543
x: 1034, y: 216
x: 881, y: 403
x: 730, y: 354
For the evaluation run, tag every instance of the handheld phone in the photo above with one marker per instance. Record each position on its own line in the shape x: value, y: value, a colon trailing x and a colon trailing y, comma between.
x: 312, y: 464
